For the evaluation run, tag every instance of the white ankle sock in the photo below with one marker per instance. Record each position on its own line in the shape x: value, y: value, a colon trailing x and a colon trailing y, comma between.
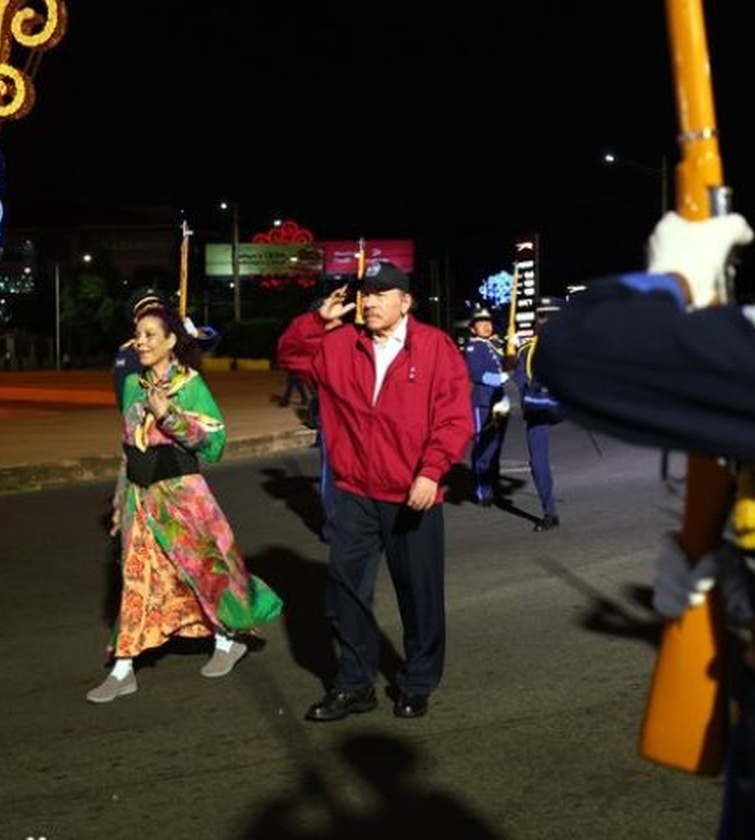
x: 223, y: 642
x: 122, y: 668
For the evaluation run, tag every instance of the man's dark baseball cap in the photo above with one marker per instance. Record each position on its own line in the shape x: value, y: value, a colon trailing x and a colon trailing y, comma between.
x: 144, y: 298
x: 385, y: 275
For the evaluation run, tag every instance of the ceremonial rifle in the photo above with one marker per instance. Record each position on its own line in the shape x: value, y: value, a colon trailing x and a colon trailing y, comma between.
x: 684, y: 725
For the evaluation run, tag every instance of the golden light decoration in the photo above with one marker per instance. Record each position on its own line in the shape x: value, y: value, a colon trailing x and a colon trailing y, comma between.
x: 33, y: 25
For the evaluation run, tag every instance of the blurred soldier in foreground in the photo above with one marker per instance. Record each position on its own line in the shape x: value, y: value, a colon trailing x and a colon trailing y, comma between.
x: 650, y: 358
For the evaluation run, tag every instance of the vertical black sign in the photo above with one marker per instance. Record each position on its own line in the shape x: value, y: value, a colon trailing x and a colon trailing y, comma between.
x: 526, y: 250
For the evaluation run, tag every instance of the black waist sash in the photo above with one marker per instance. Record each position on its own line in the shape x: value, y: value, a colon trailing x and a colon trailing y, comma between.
x: 157, y: 463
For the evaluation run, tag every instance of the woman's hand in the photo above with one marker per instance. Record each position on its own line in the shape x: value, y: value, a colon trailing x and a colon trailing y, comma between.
x: 158, y: 403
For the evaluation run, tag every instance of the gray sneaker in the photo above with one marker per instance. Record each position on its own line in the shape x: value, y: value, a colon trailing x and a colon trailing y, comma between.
x: 112, y: 688
x: 222, y: 661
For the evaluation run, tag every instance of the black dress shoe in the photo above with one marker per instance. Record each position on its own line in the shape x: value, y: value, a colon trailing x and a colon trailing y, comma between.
x: 410, y: 705
x: 546, y: 523
x: 338, y: 704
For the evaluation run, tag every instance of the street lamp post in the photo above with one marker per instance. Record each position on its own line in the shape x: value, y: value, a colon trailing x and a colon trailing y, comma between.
x: 234, y: 205
x: 661, y: 173
x: 57, y: 315
x: 85, y: 258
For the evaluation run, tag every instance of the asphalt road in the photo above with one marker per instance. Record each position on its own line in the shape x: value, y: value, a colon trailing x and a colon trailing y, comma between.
x: 533, y: 734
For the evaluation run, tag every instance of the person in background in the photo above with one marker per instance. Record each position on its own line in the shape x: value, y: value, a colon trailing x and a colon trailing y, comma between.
x: 650, y: 358
x: 294, y: 383
x: 325, y: 486
x: 485, y: 356
x: 182, y: 571
x: 540, y: 411
x: 396, y: 414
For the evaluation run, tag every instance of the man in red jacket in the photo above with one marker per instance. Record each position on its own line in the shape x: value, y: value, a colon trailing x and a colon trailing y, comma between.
x: 396, y: 415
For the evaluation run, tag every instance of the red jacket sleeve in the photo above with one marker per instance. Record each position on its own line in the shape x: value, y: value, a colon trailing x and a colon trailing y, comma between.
x: 452, y: 424
x: 299, y: 344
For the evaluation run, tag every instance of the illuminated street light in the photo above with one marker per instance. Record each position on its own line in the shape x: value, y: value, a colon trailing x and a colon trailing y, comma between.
x: 234, y: 206
x: 612, y: 159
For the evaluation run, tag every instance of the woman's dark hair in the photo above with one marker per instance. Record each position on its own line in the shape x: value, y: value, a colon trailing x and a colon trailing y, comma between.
x: 187, y: 349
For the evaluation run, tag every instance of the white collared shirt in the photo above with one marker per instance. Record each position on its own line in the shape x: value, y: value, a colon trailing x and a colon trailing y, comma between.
x: 386, y: 351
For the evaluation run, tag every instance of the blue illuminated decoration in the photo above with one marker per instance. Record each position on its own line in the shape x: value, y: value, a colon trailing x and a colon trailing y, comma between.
x: 496, y: 289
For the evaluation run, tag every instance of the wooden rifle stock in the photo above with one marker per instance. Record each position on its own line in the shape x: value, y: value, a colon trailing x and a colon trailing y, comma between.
x: 684, y: 726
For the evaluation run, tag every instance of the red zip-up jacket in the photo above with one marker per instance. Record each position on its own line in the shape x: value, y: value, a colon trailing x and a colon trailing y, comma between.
x: 421, y: 423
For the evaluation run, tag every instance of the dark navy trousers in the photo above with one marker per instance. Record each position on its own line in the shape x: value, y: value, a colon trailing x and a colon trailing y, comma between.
x: 486, y: 453
x: 538, y: 446
x: 413, y: 543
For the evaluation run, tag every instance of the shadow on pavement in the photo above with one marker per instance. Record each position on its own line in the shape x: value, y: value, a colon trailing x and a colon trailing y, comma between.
x: 607, y: 616
x: 301, y: 583
x: 395, y: 803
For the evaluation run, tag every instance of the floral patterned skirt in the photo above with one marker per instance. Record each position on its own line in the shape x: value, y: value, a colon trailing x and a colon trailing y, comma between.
x: 183, y: 574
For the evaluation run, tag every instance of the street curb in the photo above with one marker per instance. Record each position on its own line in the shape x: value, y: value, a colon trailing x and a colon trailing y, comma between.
x: 27, y: 478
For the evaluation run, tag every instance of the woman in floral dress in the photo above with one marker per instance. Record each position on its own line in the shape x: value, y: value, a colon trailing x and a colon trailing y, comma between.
x: 183, y: 574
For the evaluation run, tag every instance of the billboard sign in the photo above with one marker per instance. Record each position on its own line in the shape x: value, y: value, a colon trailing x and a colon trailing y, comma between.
x: 264, y: 259
x: 341, y: 255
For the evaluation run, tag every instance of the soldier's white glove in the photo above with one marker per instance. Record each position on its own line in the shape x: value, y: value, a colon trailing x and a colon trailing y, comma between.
x: 190, y: 328
x: 502, y: 408
x: 697, y: 250
x: 678, y: 585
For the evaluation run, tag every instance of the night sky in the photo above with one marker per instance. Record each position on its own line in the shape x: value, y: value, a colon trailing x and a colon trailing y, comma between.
x: 459, y: 127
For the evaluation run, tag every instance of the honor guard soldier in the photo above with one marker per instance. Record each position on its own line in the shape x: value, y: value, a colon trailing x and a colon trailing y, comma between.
x: 485, y: 358
x: 540, y: 411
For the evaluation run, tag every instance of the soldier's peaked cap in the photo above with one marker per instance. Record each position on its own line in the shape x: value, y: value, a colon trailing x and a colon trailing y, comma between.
x: 144, y: 298
x: 480, y: 314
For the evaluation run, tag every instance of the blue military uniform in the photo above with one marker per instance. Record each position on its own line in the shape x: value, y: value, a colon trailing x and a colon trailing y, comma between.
x: 485, y: 363
x: 540, y: 411
x: 126, y: 362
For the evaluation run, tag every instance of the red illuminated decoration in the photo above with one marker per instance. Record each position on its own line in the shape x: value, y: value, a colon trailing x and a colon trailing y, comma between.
x: 286, y: 233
